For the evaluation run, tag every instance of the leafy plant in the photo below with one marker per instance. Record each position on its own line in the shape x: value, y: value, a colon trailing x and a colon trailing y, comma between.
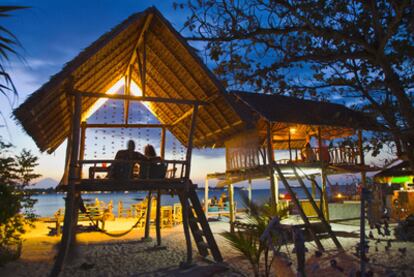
x: 16, y: 204
x: 248, y: 239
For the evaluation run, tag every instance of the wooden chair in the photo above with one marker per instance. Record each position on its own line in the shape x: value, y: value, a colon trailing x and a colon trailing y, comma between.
x: 177, y: 214
x: 166, y: 216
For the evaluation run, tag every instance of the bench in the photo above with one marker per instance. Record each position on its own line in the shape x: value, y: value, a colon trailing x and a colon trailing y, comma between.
x: 97, y: 214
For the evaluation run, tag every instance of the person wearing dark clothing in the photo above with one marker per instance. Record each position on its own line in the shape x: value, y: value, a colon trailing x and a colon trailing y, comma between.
x: 125, y: 170
x: 154, y: 168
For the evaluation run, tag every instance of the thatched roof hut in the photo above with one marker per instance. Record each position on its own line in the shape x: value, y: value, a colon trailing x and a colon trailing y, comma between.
x: 173, y: 70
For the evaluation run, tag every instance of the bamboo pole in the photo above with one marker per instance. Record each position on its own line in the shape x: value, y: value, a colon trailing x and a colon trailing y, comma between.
x: 82, y: 145
x: 190, y: 141
x: 71, y: 207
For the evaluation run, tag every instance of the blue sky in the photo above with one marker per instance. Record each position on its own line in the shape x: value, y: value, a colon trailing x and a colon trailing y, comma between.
x: 52, y: 33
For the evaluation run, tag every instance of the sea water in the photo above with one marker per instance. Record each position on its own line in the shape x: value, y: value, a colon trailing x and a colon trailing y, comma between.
x: 48, y: 204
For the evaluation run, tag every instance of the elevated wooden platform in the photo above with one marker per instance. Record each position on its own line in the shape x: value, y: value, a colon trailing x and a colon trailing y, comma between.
x: 90, y: 185
x: 262, y: 171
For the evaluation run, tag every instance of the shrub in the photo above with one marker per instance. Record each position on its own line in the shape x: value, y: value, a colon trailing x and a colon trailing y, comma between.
x: 16, y: 204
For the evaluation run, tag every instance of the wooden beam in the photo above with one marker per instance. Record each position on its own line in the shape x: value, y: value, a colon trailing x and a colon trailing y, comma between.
x: 190, y: 111
x: 114, y: 125
x: 190, y: 141
x: 162, y: 144
x: 206, y: 198
x: 138, y: 98
x: 140, y: 39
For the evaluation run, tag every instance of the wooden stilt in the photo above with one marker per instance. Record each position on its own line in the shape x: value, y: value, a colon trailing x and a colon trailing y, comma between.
x: 364, y: 193
x: 70, y: 219
x: 271, y: 159
x: 249, y: 191
x: 158, y: 214
x: 206, y: 198
x: 324, y: 195
x: 148, y: 217
x: 185, y: 213
x: 231, y: 208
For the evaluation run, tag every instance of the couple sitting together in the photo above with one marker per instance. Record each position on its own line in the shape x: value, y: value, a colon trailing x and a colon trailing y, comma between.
x: 147, y: 166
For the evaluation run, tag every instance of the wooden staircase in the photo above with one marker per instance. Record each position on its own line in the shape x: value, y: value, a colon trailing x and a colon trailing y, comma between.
x: 308, y: 226
x: 204, y: 239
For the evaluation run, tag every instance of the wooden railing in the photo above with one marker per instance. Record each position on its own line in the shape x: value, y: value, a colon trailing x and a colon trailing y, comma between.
x: 175, y: 168
x: 245, y: 158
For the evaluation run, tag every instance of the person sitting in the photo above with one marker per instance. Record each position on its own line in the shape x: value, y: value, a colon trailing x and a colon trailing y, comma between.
x: 154, y: 167
x: 307, y: 153
x: 223, y: 200
x: 213, y: 201
x: 324, y: 153
x: 121, y: 170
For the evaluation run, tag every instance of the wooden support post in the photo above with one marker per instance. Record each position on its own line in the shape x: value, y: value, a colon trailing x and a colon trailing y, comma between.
x: 362, y: 159
x: 364, y: 193
x: 324, y: 196
x: 158, y: 214
x: 270, y: 163
x: 249, y: 191
x: 290, y: 146
x: 231, y: 208
x: 185, y: 193
x: 206, y: 198
x: 276, y: 182
x: 72, y: 198
x: 82, y: 145
x: 190, y: 141
x: 148, y: 218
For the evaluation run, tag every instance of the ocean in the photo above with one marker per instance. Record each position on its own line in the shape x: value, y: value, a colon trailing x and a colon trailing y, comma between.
x: 48, y: 204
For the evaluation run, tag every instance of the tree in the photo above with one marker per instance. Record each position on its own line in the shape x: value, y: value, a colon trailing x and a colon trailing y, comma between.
x: 16, y: 204
x: 343, y: 49
x: 8, y: 45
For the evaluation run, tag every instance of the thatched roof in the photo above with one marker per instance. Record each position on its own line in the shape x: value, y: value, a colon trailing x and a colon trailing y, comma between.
x: 173, y: 71
x: 302, y: 116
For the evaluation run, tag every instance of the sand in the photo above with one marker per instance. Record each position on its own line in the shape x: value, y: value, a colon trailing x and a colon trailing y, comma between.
x: 100, y: 255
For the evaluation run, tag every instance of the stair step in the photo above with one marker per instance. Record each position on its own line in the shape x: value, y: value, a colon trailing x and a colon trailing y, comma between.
x: 194, y: 219
x: 203, y: 244
x: 199, y: 232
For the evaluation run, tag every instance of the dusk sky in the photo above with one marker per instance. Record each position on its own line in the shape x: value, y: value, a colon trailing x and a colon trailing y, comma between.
x: 54, y: 32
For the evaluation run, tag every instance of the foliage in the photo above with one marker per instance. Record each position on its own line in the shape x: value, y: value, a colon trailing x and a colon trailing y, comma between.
x: 356, y: 51
x: 248, y: 240
x: 16, y: 204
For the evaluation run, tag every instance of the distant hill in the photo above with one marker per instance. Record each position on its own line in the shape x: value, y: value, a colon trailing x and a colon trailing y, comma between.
x: 46, y: 183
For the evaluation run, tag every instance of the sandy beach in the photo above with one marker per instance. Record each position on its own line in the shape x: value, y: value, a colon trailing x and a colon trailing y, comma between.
x: 100, y: 255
